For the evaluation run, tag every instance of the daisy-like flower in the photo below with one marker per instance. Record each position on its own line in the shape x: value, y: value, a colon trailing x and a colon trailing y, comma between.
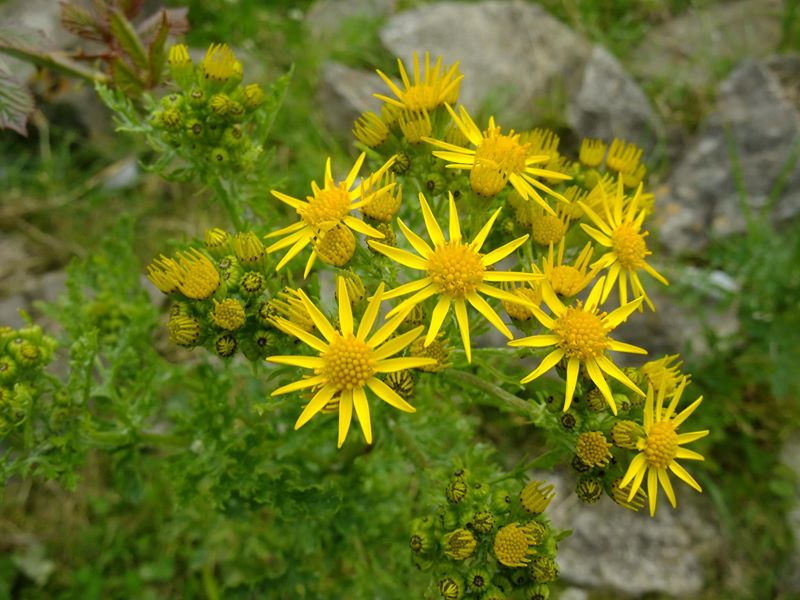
x: 327, y: 208
x: 456, y: 272
x: 567, y: 280
x: 431, y: 88
x: 580, y: 334
x: 621, y: 232
x: 497, y: 159
x: 349, y: 361
x: 661, y: 446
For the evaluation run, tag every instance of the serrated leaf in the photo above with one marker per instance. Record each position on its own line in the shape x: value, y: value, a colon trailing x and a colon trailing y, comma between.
x: 81, y: 22
x: 125, y: 78
x: 16, y: 103
x: 176, y: 20
x: 157, y: 53
x: 128, y: 39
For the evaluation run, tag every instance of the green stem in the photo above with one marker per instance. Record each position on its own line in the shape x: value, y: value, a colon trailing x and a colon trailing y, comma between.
x: 230, y: 205
x: 117, y: 438
x: 415, y: 452
x: 515, y: 403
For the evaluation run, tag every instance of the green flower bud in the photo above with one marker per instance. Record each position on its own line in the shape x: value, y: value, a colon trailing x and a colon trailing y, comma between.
x: 451, y: 587
x: 219, y: 156
x: 194, y: 129
x: 589, y: 490
x: 456, y: 490
x: 252, y: 283
x: 225, y: 345
x: 232, y: 136
x: 8, y: 369
x: 402, y: 163
x: 543, y: 569
x: 483, y: 521
x: 197, y: 97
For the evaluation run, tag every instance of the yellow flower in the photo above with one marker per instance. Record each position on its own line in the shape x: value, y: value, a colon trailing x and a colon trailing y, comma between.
x: 220, y: 63
x: 592, y: 152
x: 623, y: 158
x: 620, y: 231
x: 228, y: 314
x: 328, y: 207
x: 384, y: 202
x: 664, y: 371
x: 497, y: 159
x: 455, y: 271
x: 513, y: 546
x: 661, y: 446
x: 567, y: 280
x: 335, y: 246
x: 415, y: 125
x: 580, y: 334
x: 516, y: 310
x: 288, y: 305
x: 349, y: 360
x: 548, y: 228
x: 431, y: 88
x: 542, y: 141
x: 370, y: 130
x: 193, y: 274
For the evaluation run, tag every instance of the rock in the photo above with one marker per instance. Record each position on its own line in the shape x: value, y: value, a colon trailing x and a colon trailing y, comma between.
x: 790, y: 582
x: 326, y: 18
x: 519, y: 59
x: 9, y: 310
x: 629, y: 552
x: 573, y: 593
x: 756, y: 116
x: 693, y: 49
x: 608, y: 104
x: 345, y: 93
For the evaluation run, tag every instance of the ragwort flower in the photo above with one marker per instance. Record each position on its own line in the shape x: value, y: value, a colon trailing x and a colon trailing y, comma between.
x: 349, y: 361
x: 661, y: 446
x: 620, y: 231
x: 580, y: 334
x: 455, y: 272
x: 434, y: 87
x: 497, y: 159
x: 327, y: 207
x: 567, y: 280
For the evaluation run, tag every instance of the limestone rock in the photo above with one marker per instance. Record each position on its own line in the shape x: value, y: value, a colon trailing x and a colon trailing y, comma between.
x: 325, y: 18
x: 617, y: 549
x: 756, y: 127
x: 345, y: 93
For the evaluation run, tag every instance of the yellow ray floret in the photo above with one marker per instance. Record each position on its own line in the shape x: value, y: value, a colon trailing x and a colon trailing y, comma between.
x: 498, y: 159
x: 565, y: 279
x: 620, y: 230
x: 349, y: 361
x: 327, y: 208
x: 456, y: 272
x: 580, y: 334
x: 661, y: 446
x: 431, y: 88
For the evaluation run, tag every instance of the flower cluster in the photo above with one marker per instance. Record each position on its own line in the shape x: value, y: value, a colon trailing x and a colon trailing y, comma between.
x: 23, y: 355
x: 486, y: 541
x: 208, y: 117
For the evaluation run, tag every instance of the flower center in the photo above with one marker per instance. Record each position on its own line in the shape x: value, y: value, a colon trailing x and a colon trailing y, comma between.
x: 661, y: 444
x: 497, y: 157
x: 421, y: 97
x: 629, y: 246
x: 328, y: 206
x: 512, y: 546
x: 566, y: 280
x: 548, y: 229
x: 582, y: 333
x: 348, y: 363
x: 456, y: 269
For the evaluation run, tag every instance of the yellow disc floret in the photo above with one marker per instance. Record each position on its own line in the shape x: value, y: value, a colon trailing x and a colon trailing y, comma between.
x: 199, y: 277
x: 547, y: 229
x: 456, y: 269
x: 582, y: 333
x: 567, y: 280
x: 459, y: 544
x: 497, y: 157
x: 512, y: 546
x: 220, y: 63
x: 629, y: 246
x: 336, y: 246
x: 228, y: 314
x: 248, y: 247
x: 348, y: 363
x: 661, y: 444
x: 383, y: 203
x: 593, y: 448
x: 328, y: 205
x: 536, y: 497
x: 592, y: 152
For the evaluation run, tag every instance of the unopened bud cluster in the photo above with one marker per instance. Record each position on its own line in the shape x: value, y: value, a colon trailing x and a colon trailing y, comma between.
x: 488, y: 541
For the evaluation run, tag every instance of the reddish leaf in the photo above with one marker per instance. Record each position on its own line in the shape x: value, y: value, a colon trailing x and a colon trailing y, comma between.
x: 81, y: 22
x: 176, y: 20
x: 16, y: 103
x: 157, y: 52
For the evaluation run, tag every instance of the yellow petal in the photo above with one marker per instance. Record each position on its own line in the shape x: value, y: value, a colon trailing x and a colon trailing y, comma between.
x: 477, y: 243
x: 609, y: 367
x: 463, y: 326
x: 345, y: 415
x: 596, y: 375
x: 362, y: 412
x: 455, y: 227
x: 488, y: 312
x: 396, y: 344
x: 404, y: 257
x: 320, y: 399
x: 434, y: 231
x: 548, y: 362
x: 388, y: 395
x: 684, y: 475
x: 437, y: 318
x: 536, y: 341
x: 304, y: 362
x: 663, y: 477
x: 370, y: 314
x: 420, y: 245
x: 345, y: 310
x: 687, y: 454
x: 500, y: 253
x: 686, y: 438
x: 304, y: 383
x: 638, y: 465
x: 573, y: 365
x: 320, y: 321
x: 652, y: 489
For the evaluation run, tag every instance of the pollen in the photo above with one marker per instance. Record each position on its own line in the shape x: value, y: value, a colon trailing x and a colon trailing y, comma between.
x: 566, y: 280
x: 456, y: 269
x: 661, y: 444
x: 348, y: 363
x: 629, y: 246
x: 593, y: 448
x: 329, y: 205
x: 582, y: 333
x: 512, y: 546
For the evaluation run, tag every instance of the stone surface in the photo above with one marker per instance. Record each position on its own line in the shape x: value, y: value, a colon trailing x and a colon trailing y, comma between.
x: 325, y: 18
x: 616, y: 549
x: 756, y: 124
x: 344, y: 93
x: 608, y: 103
x: 696, y: 48
x: 790, y: 456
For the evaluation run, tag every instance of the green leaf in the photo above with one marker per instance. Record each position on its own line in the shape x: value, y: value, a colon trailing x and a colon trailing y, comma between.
x: 128, y: 39
x: 125, y: 78
x: 16, y: 103
x: 81, y: 22
x: 157, y: 53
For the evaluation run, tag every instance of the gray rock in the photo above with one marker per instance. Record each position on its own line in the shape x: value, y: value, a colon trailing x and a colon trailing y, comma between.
x: 345, y: 93
x: 694, y: 49
x: 325, y: 18
x: 9, y: 310
x: 790, y: 456
x: 608, y: 104
x: 755, y: 127
x: 617, y: 549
